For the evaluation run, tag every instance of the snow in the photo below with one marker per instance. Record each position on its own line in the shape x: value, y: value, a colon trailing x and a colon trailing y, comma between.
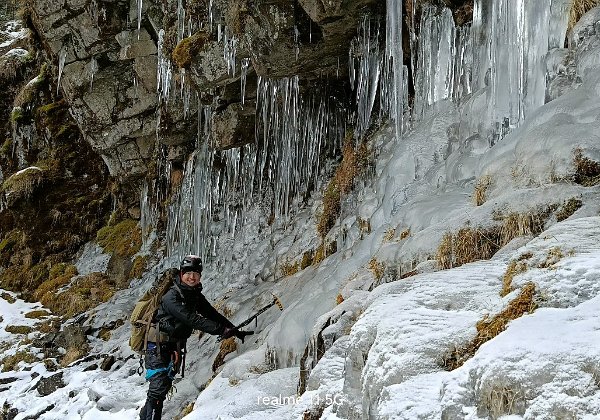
x: 11, y: 33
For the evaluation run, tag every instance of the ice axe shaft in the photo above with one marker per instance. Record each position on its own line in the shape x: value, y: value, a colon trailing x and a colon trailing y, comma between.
x: 276, y: 301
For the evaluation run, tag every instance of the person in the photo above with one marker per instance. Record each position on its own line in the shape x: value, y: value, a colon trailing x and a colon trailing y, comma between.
x: 182, y: 310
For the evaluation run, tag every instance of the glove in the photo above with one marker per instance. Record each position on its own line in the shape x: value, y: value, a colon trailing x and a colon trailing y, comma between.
x: 242, y: 334
x: 229, y: 332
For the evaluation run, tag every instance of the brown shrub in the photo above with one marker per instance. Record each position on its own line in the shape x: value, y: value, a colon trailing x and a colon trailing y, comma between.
x: 467, y: 245
x: 377, y: 268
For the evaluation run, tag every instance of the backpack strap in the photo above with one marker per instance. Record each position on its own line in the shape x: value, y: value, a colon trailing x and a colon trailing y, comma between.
x: 178, y: 289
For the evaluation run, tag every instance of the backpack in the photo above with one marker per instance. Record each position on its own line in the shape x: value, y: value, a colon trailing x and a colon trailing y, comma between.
x: 144, y: 310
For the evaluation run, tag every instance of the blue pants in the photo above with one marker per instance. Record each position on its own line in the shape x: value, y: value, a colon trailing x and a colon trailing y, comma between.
x: 160, y: 382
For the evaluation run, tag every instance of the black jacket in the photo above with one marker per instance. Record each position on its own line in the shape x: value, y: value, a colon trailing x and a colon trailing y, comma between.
x: 184, y: 309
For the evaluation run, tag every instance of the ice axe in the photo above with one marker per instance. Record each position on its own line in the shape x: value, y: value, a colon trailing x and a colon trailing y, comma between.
x: 275, y: 301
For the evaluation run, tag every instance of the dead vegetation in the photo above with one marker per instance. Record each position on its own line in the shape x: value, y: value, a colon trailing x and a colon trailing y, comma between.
x: 377, y: 268
x: 82, y: 294
x: 553, y: 256
x: 488, y: 328
x: 472, y: 244
x: 481, y: 187
x: 568, y: 208
x: 227, y: 346
x: 578, y: 9
x: 11, y: 362
x: 355, y: 161
x: 587, y: 171
x: 513, y: 269
x: 389, y: 235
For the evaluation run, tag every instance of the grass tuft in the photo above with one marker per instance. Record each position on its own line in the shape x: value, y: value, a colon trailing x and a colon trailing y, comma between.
x: 355, y: 161
x: 488, y: 328
x: 568, y: 208
x: 513, y: 269
x: 578, y: 9
x: 481, y: 187
x: 587, y: 171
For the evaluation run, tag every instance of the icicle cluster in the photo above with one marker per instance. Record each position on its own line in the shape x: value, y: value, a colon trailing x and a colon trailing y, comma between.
x: 281, y: 167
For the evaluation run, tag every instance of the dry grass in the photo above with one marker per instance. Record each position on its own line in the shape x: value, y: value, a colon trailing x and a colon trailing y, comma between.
x: 501, y: 399
x: 553, y: 256
x: 513, y: 269
x: 568, y: 208
x: 355, y: 161
x: 481, y: 187
x: 587, y: 171
x: 18, y: 329
x: 467, y: 245
x: 37, y: 314
x: 472, y: 244
x: 323, y: 251
x: 72, y: 354
x: 522, y: 224
x: 84, y: 294
x: 59, y: 275
x: 488, y: 328
x: 289, y: 268
x: 227, y: 346
x: 405, y: 234
x: 339, y: 299
x: 578, y: 9
x: 377, y: 268
x: 8, y: 297
x: 10, y: 362
x: 186, y: 410
x: 389, y: 235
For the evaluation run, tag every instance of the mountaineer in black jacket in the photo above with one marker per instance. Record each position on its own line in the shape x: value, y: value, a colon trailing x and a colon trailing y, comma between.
x: 183, y: 309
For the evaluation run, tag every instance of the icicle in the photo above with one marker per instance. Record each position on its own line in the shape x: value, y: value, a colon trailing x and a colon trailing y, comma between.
x: 164, y: 70
x: 180, y: 21
x: 139, y: 17
x: 229, y: 52
x: 296, y: 41
x: 393, y: 64
x: 93, y: 69
x: 365, y: 48
x: 210, y: 15
x: 62, y: 56
x: 434, y: 75
x: 245, y: 64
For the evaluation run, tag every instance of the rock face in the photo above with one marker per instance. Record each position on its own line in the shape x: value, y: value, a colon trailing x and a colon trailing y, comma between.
x: 107, y: 69
x: 108, y: 79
